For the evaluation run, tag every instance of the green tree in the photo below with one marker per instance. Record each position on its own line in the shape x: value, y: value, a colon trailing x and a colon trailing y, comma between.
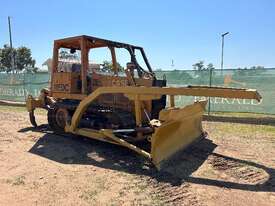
x: 210, y: 66
x: 23, y: 59
x: 65, y: 54
x: 198, y: 66
x: 16, y: 59
x: 107, y: 66
x: 203, y: 73
x: 6, y: 54
x: 252, y: 71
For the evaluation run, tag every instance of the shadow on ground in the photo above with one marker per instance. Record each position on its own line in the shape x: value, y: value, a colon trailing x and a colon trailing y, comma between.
x: 241, y: 120
x: 78, y: 150
x: 43, y: 128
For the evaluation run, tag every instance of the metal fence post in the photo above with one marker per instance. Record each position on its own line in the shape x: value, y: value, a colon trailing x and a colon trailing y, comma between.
x: 24, y: 88
x: 210, y: 84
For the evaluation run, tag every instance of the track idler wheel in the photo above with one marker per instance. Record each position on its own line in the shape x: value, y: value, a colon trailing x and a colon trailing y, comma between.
x: 57, y: 118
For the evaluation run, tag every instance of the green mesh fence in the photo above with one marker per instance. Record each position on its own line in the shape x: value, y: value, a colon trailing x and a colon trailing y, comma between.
x: 261, y: 79
x: 15, y: 87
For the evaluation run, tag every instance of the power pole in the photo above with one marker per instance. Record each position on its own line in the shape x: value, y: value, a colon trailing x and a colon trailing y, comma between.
x: 12, y: 54
x: 9, y: 21
x: 172, y: 64
x: 222, y: 50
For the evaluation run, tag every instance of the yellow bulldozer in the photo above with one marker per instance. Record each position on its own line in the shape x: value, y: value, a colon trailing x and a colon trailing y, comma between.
x: 122, y: 107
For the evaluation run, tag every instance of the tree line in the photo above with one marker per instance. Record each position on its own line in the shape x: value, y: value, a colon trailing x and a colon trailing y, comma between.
x: 200, y: 67
x: 16, y: 60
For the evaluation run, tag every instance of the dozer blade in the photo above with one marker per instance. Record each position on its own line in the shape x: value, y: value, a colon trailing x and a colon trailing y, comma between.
x: 180, y: 127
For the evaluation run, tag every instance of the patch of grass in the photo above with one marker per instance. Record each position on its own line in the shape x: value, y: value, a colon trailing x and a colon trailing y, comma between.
x: 240, y: 132
x: 141, y: 186
x: 6, y: 108
x: 115, y: 202
x: 98, y: 186
x: 233, y: 128
x: 248, y: 130
x: 89, y: 195
x: 100, y: 183
x: 242, y: 114
x: 157, y: 201
x: 121, y: 193
x: 20, y: 180
x: 270, y: 129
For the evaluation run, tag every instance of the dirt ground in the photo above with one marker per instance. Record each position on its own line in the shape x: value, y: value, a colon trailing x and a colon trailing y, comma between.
x: 234, y: 166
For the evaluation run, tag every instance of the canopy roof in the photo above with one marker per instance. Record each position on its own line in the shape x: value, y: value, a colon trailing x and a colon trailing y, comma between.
x: 92, y: 42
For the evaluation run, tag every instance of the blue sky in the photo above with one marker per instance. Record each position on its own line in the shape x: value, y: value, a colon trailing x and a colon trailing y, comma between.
x: 185, y: 31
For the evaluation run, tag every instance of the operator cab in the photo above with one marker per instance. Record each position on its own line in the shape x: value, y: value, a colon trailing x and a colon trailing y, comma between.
x: 73, y: 73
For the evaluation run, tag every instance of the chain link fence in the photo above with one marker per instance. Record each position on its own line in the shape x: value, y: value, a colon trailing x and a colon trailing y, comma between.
x: 16, y: 87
